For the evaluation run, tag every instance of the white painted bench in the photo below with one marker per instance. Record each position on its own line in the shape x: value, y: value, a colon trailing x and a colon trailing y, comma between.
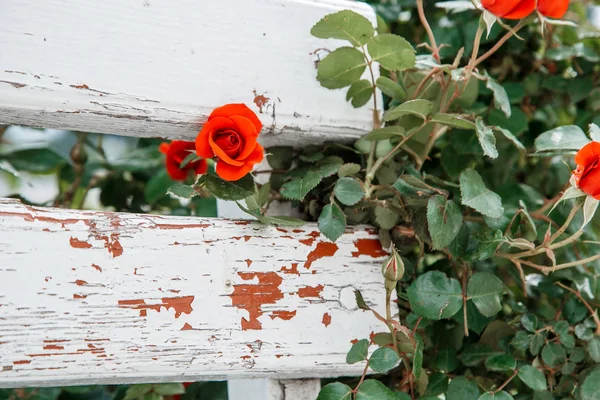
x: 98, y: 297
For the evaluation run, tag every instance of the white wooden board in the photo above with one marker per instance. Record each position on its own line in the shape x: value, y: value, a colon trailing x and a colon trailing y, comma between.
x: 92, y: 297
x: 159, y: 67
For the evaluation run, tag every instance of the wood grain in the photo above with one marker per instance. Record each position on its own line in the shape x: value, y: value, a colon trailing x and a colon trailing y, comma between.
x: 98, y: 297
x: 158, y: 68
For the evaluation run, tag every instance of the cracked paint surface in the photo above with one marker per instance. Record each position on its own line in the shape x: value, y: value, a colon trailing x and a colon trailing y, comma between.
x: 118, y: 299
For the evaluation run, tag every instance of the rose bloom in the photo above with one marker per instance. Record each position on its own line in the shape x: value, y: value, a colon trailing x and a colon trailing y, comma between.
x: 176, y: 152
x: 517, y: 9
x: 230, y: 134
x: 587, y: 175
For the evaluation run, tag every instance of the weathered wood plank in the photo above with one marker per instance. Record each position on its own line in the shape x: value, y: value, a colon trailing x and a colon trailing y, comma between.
x: 158, y: 68
x: 93, y: 297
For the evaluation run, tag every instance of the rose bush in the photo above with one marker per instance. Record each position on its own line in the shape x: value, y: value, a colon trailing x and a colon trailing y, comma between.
x: 465, y: 176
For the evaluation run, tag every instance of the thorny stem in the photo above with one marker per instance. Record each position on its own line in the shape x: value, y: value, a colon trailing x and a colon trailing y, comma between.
x: 547, y: 270
x: 388, y: 314
x: 549, y: 244
x: 515, y: 372
x: 464, y: 295
x: 586, y: 304
x: 434, y: 47
x: 362, y: 378
x: 499, y: 43
x: 376, y: 122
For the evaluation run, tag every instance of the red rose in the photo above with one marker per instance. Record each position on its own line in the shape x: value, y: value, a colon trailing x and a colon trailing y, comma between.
x: 517, y: 9
x: 553, y: 8
x: 587, y: 174
x: 176, y: 152
x: 230, y: 134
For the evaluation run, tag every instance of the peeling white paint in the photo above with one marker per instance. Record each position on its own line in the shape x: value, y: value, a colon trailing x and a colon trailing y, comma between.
x: 91, y: 297
x: 158, y: 68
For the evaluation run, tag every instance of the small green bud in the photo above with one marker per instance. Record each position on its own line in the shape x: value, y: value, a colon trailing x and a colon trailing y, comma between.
x: 393, y: 268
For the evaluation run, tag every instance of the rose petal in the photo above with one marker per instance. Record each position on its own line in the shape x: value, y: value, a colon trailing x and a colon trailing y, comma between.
x: 164, y: 148
x: 509, y: 9
x: 553, y: 8
x: 203, y: 148
x: 590, y: 182
x: 233, y: 173
x: 248, y: 133
x: 588, y: 154
x: 200, y: 166
x: 237, y: 109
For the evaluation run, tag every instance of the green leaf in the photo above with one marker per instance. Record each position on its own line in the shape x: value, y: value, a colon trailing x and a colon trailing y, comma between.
x: 446, y: 360
x: 348, y: 169
x: 496, y: 396
x: 385, y: 217
x: 169, y: 389
x: 420, y: 107
x: 474, y: 354
x: 563, y: 138
x: 360, y: 301
x: 554, y: 355
x: 280, y: 157
x: 360, y: 93
x: 180, y: 190
x: 444, y: 220
x: 476, y: 321
x: 188, y: 159
x: 371, y: 389
x: 533, y: 377
x: 388, y: 132
x: 332, y: 222
x: 501, y: 362
x: 383, y: 359
x: 348, y: 191
x: 438, y: 384
x: 158, y: 186
x: 329, y: 166
x: 590, y: 388
x: 521, y: 340
x: 417, y: 366
x: 35, y: 160
x: 530, y: 322
x: 345, y: 25
x: 281, y: 220
x: 137, y: 391
x: 477, y: 196
x: 358, y: 352
x: 501, y: 100
x: 435, y: 296
x: 593, y: 349
x: 461, y: 388
x: 391, y: 88
x: 486, y: 138
x: 485, y: 290
x: 342, y: 67
x: 536, y: 344
x: 392, y: 52
x: 453, y: 121
x: 335, y: 391
x: 229, y: 190
x: 152, y: 396
x: 512, y: 138
x: 297, y: 188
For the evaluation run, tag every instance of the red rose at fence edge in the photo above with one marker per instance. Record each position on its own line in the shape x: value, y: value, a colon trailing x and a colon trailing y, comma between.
x: 230, y: 134
x: 587, y: 174
x: 509, y: 9
x: 553, y: 8
x: 176, y: 152
x: 517, y: 9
